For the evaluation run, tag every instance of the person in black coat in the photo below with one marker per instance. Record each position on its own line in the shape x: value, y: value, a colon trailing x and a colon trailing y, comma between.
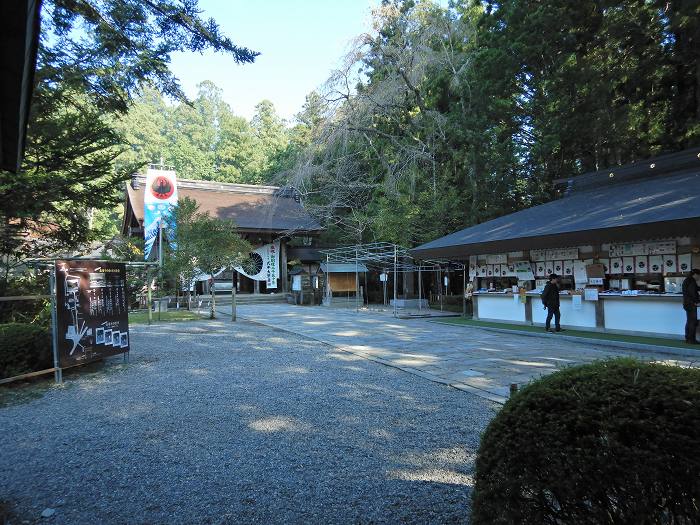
x: 550, y: 300
x: 690, y: 305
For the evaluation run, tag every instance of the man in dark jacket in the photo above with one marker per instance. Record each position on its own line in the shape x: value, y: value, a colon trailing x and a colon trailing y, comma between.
x: 690, y: 305
x: 550, y: 300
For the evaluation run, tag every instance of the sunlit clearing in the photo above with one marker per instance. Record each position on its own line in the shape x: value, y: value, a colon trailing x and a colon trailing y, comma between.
x: 449, y: 477
x: 278, y: 424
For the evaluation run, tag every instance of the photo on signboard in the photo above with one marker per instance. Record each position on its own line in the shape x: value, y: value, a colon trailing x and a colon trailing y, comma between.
x: 108, y: 336
x: 124, y: 340
x: 98, y: 280
x: 99, y: 336
x: 116, y: 341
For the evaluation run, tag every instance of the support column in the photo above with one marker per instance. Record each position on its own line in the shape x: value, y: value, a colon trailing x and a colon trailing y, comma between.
x: 408, y: 281
x: 357, y: 285
x: 464, y: 291
x: 396, y: 297
x: 256, y: 287
x: 420, y: 290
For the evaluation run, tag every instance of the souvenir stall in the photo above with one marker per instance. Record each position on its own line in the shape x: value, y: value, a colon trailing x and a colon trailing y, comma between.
x: 629, y: 287
x: 622, y: 242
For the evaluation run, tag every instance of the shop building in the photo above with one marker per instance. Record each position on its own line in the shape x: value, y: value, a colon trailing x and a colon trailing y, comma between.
x: 623, y: 239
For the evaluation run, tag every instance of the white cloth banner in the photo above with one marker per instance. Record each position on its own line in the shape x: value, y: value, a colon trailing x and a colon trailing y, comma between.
x: 266, y: 261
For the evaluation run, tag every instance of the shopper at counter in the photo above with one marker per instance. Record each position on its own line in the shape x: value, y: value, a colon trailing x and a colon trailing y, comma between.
x: 691, y: 299
x: 550, y: 300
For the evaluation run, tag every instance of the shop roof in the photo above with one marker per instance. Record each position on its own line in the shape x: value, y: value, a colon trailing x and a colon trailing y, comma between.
x: 342, y: 267
x: 647, y: 207
x: 19, y: 40
x: 252, y: 208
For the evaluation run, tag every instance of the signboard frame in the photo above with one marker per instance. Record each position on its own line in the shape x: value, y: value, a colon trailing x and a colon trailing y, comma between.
x: 89, y: 300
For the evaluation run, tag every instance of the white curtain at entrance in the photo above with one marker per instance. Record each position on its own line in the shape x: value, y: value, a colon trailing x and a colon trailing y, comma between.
x: 267, y: 264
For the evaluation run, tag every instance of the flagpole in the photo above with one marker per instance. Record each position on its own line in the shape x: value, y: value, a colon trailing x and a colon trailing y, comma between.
x: 160, y: 265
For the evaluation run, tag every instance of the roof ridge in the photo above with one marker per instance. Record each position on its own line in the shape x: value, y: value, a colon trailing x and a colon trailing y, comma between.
x: 233, y: 187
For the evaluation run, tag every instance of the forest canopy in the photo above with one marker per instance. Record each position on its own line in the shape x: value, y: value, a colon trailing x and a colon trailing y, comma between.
x: 438, y: 117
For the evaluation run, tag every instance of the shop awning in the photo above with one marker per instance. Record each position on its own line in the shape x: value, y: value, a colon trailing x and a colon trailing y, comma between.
x: 342, y: 268
x: 645, y: 209
x: 19, y: 40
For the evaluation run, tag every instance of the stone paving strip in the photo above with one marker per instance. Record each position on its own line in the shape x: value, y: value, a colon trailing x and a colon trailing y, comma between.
x: 482, y: 362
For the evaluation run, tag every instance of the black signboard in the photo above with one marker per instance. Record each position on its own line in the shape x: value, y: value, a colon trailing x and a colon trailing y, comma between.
x: 91, y: 310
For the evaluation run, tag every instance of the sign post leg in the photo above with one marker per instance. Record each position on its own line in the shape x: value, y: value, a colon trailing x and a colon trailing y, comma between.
x: 58, y: 373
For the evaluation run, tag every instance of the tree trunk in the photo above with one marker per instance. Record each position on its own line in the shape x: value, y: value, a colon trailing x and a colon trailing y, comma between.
x: 212, y: 310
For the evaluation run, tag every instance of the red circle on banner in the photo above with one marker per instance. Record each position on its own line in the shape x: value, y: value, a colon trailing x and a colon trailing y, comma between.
x: 162, y: 187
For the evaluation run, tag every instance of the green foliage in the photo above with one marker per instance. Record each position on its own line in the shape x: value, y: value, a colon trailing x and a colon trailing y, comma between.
x: 203, y: 244
x: 93, y: 59
x: 610, y: 442
x: 24, y: 348
x: 205, y: 140
x: 443, y: 118
x: 35, y: 311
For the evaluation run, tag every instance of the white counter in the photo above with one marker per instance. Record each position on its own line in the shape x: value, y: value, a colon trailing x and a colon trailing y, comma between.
x: 500, y: 307
x: 583, y: 318
x: 652, y: 315
x: 660, y: 315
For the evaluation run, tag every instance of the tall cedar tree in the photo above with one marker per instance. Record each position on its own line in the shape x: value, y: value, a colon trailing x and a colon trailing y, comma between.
x: 94, y: 57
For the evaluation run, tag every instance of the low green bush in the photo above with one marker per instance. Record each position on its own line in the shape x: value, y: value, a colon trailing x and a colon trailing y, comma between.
x: 24, y: 348
x: 617, y: 441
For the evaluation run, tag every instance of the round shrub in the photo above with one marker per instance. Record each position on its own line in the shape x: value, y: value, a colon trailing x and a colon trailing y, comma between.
x: 616, y: 441
x: 24, y: 348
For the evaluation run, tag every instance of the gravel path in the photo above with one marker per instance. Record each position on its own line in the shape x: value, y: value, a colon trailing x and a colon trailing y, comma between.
x: 219, y: 423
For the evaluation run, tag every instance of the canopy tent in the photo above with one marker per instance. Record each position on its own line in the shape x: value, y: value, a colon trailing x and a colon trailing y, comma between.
x: 342, y: 268
x: 388, y: 258
x: 342, y: 277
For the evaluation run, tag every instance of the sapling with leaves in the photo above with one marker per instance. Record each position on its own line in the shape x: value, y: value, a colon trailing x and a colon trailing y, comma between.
x: 202, y: 244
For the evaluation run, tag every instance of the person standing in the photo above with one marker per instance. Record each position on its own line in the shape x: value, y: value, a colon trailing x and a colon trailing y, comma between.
x: 550, y: 300
x: 690, y: 305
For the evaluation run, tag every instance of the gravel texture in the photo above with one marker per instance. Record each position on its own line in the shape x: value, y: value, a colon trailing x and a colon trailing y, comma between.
x: 212, y: 422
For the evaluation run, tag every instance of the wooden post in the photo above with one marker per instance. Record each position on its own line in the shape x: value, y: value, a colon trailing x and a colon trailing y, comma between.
x: 233, y: 295
x: 149, y: 298
x: 464, y: 293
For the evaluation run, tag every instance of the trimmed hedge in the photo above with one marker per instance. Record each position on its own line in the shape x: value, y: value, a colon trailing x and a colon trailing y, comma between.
x: 617, y: 441
x: 24, y: 348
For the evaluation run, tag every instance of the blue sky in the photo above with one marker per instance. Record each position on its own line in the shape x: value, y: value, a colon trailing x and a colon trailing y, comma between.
x: 300, y: 42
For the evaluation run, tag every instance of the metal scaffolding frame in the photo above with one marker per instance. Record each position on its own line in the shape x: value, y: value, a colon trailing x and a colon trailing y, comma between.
x: 387, y: 257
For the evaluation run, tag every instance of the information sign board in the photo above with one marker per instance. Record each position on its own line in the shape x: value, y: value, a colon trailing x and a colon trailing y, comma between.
x: 92, y: 318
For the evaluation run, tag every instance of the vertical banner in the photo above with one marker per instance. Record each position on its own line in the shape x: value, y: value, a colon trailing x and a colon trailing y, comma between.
x: 92, y: 318
x: 272, y: 265
x: 160, y: 196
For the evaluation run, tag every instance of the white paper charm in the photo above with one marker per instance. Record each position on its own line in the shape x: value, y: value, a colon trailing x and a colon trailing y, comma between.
x: 641, y: 264
x: 684, y: 262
